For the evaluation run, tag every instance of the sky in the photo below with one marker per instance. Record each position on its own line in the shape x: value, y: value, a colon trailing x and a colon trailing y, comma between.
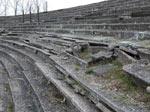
x: 52, y: 5
x: 60, y: 4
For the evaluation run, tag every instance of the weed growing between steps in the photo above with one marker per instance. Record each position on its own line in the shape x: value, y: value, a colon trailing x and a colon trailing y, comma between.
x: 144, y: 38
x: 77, y: 68
x: 89, y: 71
x: 10, y: 107
x: 117, y: 81
x: 6, y: 86
x: 84, y: 55
x: 77, y: 88
x: 120, y: 82
x: 114, y: 80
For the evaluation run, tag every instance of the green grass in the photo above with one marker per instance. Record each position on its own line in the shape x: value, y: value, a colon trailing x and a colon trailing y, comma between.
x: 30, y: 92
x: 58, y: 96
x: 89, y: 71
x: 77, y: 65
x: 124, y: 99
x: 73, y: 82
x: 127, y: 86
x: 84, y: 55
x: 118, y: 74
x: 10, y: 107
x: 144, y: 38
x: 4, y: 70
x: 6, y: 86
x: 77, y: 68
x: 108, y: 61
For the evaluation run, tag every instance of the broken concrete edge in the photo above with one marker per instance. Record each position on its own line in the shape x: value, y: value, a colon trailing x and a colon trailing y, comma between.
x: 62, y: 70
x: 90, y: 90
x: 135, y: 52
x: 127, y: 50
x: 95, y: 94
x: 123, y: 57
x: 79, y: 107
x: 64, y: 88
x: 144, y: 53
x: 42, y: 47
x: 136, y: 78
x: 40, y: 52
x: 76, y: 60
x: 76, y: 37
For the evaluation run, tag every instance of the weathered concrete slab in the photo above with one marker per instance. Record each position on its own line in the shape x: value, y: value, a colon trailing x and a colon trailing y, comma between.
x: 102, y: 55
x: 129, y: 50
x: 101, y: 70
x: 144, y: 53
x: 123, y: 57
x: 139, y: 72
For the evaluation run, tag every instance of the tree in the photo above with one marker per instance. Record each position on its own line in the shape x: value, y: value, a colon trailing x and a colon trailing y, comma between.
x: 4, y: 7
x: 45, y: 6
x: 15, y: 5
x: 19, y: 6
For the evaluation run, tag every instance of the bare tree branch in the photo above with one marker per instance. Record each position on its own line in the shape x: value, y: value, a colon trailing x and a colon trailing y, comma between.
x: 6, y: 6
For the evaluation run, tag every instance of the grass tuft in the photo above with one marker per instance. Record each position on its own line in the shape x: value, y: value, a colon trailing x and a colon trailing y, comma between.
x: 89, y: 71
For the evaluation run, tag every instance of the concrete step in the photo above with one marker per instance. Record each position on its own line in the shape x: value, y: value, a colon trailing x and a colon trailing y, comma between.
x: 48, y: 46
x: 111, y: 33
x: 82, y: 9
x: 58, y: 63
x: 6, y: 101
x: 139, y: 72
x: 22, y: 94
x: 80, y: 103
x: 126, y: 27
x: 39, y: 85
x: 101, y: 95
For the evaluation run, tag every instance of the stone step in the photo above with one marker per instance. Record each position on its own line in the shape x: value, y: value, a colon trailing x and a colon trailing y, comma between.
x: 126, y: 27
x: 136, y: 8
x: 64, y: 88
x: 49, y: 47
x: 23, y: 96
x: 109, y: 5
x: 110, y: 33
x: 139, y: 72
x: 39, y: 84
x: 100, y: 21
x: 87, y: 88
x: 105, y: 33
x: 101, y: 95
x: 6, y: 101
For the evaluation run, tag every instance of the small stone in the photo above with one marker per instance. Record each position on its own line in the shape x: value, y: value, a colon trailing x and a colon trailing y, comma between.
x: 46, y: 50
x: 113, y: 46
x: 65, y: 58
x: 148, y: 89
x: 77, y: 89
x: 69, y: 51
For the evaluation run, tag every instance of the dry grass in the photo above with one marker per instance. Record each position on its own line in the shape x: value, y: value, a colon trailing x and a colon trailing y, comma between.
x: 121, y: 82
